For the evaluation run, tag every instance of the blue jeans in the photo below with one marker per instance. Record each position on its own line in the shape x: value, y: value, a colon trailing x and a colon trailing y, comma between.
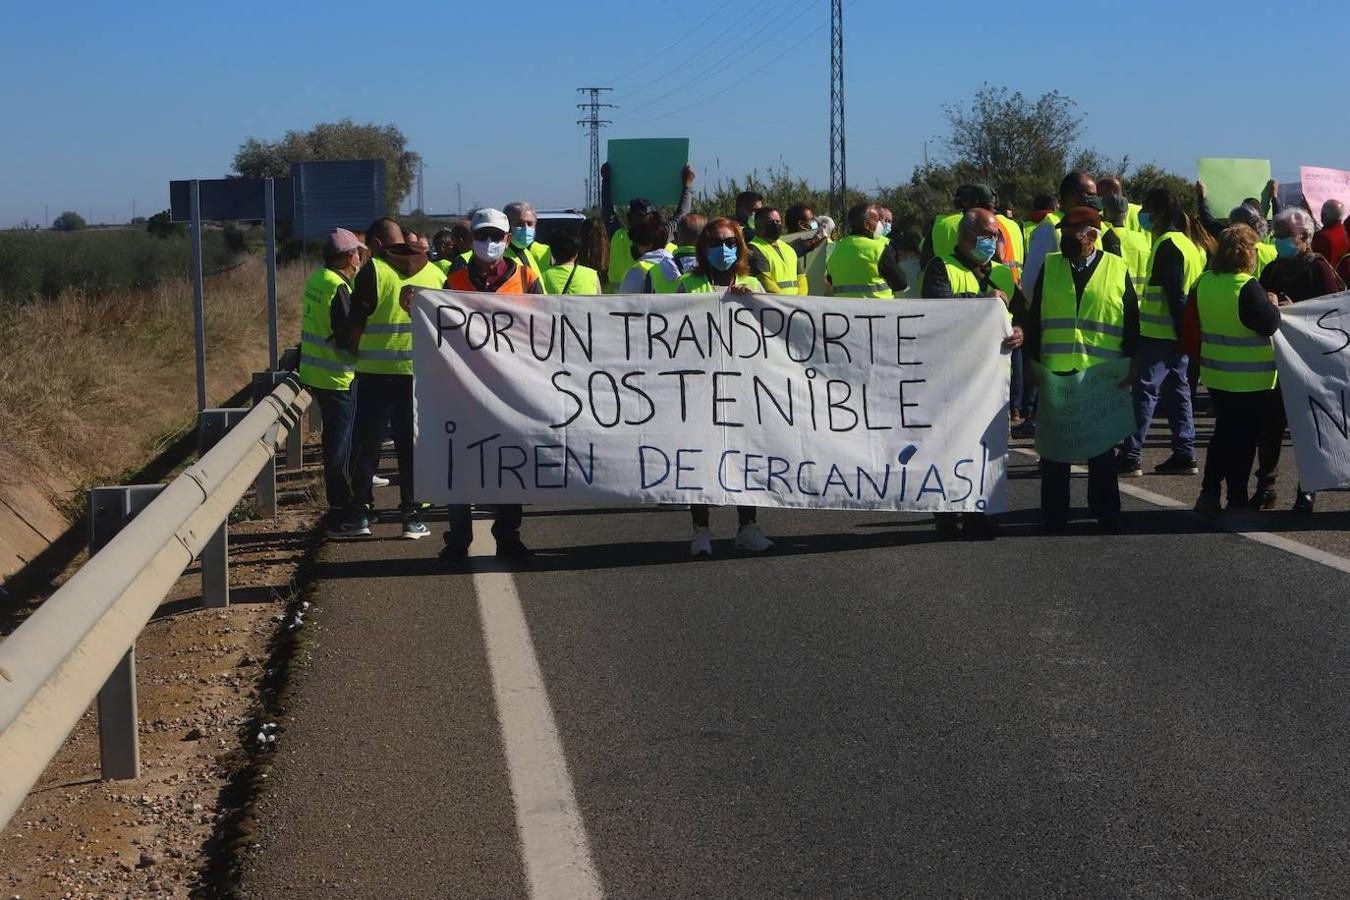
x: 1023, y: 398
x: 338, y: 411
x: 1161, y: 376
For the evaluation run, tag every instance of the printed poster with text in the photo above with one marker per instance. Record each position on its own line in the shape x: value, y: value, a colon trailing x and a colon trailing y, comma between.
x: 722, y: 399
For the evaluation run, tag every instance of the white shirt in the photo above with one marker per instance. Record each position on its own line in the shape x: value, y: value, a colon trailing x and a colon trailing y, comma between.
x: 635, y: 279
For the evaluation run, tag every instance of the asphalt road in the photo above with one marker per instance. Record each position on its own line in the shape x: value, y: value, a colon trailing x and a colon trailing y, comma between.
x: 865, y: 712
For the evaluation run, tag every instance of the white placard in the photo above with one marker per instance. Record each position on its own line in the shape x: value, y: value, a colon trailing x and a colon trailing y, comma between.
x: 1312, y: 352
x: 758, y: 400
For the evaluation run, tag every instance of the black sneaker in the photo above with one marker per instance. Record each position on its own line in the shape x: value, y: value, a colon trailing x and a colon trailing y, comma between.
x: 1128, y: 468
x: 1177, y: 464
x: 1303, y: 504
x: 977, y: 527
x: 513, y: 548
x: 1024, y: 429
x: 947, y: 525
x: 454, y: 555
x: 1207, y: 505
x: 1264, y: 498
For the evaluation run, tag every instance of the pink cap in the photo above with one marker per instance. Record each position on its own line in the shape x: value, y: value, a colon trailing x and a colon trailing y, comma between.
x: 342, y: 241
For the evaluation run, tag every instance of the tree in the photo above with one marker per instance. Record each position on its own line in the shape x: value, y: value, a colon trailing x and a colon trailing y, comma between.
x: 161, y: 226
x: 68, y: 221
x: 1150, y: 175
x: 334, y: 140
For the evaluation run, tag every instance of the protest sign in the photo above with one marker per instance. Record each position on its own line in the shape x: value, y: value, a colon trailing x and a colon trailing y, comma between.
x: 758, y: 400
x: 1230, y: 181
x: 1081, y: 415
x: 648, y: 168
x: 1321, y: 185
x: 1311, y: 352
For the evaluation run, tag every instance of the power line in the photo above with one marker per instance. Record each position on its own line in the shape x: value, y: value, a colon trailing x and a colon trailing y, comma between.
x: 647, y: 58
x: 594, y: 123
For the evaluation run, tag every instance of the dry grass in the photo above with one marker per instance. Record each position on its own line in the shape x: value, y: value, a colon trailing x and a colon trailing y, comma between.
x: 89, y: 387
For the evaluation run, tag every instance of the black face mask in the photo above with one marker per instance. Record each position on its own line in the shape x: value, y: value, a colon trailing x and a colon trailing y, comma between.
x: 1094, y: 201
x: 1070, y: 246
x: 771, y: 231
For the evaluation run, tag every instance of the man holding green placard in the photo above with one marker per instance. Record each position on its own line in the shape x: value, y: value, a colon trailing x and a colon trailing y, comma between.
x: 1083, y: 315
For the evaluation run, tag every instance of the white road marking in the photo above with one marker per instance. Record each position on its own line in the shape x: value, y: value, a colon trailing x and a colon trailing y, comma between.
x: 556, y: 850
x: 1230, y: 522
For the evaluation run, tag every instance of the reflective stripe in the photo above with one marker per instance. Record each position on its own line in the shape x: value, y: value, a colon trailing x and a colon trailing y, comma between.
x: 1155, y: 320
x: 389, y: 328
x: 1047, y: 324
x: 331, y: 365
x: 1102, y: 328
x: 859, y: 288
x: 787, y: 284
x: 1228, y: 365
x: 395, y: 355
x: 1085, y: 349
x: 1226, y: 341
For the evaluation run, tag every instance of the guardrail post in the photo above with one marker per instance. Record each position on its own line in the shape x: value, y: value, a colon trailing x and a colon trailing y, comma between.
x: 119, y: 746
x: 215, y: 556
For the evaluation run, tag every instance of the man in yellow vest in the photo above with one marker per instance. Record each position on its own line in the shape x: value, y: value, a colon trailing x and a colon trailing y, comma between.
x: 384, y: 373
x: 772, y: 261
x: 1083, y: 312
x: 524, y: 249
x: 621, y: 256
x: 859, y: 265
x: 1111, y: 186
x: 1161, y: 365
x: 972, y: 271
x: 328, y: 363
x: 1134, y: 245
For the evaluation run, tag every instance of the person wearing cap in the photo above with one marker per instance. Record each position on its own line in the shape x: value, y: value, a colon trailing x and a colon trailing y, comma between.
x: 1161, y: 365
x: 490, y: 271
x: 328, y: 362
x: 565, y: 276
x: 971, y: 272
x: 1083, y: 312
x: 384, y: 370
x: 1076, y: 189
x: 772, y: 260
x: 621, y: 256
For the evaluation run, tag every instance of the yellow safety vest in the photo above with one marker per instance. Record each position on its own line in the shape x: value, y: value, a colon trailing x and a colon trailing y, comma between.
x: 1155, y: 317
x: 965, y: 282
x: 693, y: 283
x: 620, y: 255
x: 1232, y: 356
x: 386, y: 346
x: 1135, y: 250
x: 322, y: 364
x: 526, y: 258
x: 1078, y: 335
x: 1265, y: 255
x: 782, y: 261
x: 853, y: 268
x: 543, y: 255
x: 584, y: 280
x: 942, y: 238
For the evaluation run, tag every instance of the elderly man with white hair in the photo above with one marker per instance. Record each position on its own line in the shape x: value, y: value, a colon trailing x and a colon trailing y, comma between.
x: 524, y: 249
x: 1298, y: 273
x: 1332, y: 241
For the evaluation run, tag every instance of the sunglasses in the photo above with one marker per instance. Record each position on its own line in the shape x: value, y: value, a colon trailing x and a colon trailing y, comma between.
x: 489, y: 234
x: 725, y: 242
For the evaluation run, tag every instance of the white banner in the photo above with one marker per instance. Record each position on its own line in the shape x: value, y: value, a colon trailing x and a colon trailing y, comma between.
x: 1312, y: 351
x: 757, y: 400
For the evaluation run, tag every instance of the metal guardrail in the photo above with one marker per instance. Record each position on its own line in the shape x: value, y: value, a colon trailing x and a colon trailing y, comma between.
x: 80, y: 643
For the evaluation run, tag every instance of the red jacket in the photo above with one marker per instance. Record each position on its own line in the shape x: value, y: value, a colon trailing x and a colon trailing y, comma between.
x: 1332, y: 242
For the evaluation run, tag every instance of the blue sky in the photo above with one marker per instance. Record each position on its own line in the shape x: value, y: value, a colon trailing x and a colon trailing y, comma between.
x: 109, y: 102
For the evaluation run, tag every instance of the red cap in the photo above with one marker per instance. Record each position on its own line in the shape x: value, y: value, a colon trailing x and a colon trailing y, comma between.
x: 1081, y: 215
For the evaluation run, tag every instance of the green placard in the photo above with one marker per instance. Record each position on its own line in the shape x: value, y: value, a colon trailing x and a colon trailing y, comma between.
x: 650, y: 168
x: 1230, y: 181
x: 1082, y: 415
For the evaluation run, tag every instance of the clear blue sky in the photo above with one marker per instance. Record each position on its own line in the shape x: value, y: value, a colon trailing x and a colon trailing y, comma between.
x: 109, y: 102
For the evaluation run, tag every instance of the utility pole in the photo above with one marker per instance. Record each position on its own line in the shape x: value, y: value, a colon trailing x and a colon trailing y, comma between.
x: 459, y: 197
x: 838, y: 166
x: 594, y: 123
x: 421, y: 187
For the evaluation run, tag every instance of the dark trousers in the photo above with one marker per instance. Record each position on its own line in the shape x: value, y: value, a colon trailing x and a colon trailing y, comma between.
x: 382, y: 401
x: 1103, y: 489
x: 337, y: 409
x: 505, y: 524
x: 699, y: 512
x: 1238, y: 416
x: 1022, y: 396
x: 1271, y: 440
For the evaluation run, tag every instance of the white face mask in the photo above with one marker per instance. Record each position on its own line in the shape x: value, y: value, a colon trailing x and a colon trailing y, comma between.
x: 489, y: 251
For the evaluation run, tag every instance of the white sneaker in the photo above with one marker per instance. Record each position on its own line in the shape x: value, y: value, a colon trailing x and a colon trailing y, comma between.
x: 701, y: 543
x: 752, y: 539
x: 379, y: 481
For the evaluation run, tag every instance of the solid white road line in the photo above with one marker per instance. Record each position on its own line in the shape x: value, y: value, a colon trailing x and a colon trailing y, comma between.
x: 1230, y: 522
x: 553, y: 839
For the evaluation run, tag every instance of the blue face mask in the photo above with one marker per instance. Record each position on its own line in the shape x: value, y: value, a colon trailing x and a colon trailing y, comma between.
x: 985, y: 248
x: 1145, y: 221
x: 522, y: 235
x: 884, y: 229
x: 1285, y: 248
x: 722, y: 257
x: 814, y: 226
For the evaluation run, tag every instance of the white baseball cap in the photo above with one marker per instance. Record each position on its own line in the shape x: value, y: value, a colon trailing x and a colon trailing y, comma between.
x: 490, y: 218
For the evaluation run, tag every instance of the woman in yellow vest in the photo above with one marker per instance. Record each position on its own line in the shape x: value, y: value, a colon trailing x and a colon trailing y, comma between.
x: 567, y: 276
x: 328, y: 363
x: 723, y: 267
x: 1229, y: 322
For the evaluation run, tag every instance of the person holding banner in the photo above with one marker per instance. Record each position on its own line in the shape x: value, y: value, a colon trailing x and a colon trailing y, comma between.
x: 1083, y: 312
x: 1229, y: 323
x: 489, y: 271
x: 723, y: 267
x: 772, y: 261
x: 971, y: 271
x: 1297, y: 274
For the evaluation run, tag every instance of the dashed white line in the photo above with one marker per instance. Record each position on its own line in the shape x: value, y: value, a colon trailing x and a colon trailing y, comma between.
x: 553, y: 840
